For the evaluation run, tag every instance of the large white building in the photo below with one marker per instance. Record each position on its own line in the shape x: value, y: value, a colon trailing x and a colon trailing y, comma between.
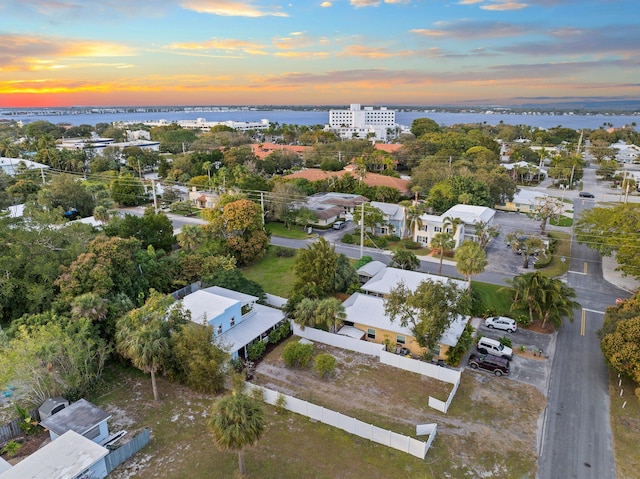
x: 358, y: 122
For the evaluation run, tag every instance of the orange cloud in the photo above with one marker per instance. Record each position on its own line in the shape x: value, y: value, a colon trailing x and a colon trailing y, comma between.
x: 228, y: 45
x: 504, y: 6
x: 372, y: 52
x: 229, y: 8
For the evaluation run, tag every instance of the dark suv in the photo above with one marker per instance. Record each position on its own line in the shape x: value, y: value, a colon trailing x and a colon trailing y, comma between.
x: 585, y: 194
x: 495, y: 364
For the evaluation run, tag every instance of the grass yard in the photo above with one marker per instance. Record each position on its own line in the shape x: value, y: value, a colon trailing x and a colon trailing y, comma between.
x: 278, y: 229
x: 625, y: 425
x: 557, y: 267
x: 274, y: 273
x: 494, y: 301
x: 477, y: 438
x: 562, y: 221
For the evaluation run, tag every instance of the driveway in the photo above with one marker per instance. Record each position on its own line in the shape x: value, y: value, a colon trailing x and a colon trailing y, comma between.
x: 525, y: 366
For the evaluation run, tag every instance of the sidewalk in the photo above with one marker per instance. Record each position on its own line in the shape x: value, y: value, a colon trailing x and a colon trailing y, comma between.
x: 628, y: 283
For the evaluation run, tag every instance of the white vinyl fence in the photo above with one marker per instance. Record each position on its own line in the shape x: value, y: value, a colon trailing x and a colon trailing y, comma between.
x: 351, y: 425
x: 440, y: 373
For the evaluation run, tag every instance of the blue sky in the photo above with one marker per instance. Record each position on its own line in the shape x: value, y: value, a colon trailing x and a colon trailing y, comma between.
x: 374, y: 52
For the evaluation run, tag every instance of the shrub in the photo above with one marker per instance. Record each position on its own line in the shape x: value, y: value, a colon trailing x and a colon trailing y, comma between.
x: 347, y: 238
x: 281, y: 403
x: 11, y: 448
x: 282, y: 252
x: 393, y: 238
x: 362, y: 261
x: 505, y: 341
x: 236, y: 364
x: 523, y: 320
x: 298, y: 355
x: 410, y: 244
x: 256, y: 350
x: 456, y: 353
x: 325, y: 365
x: 543, y: 261
x: 280, y: 333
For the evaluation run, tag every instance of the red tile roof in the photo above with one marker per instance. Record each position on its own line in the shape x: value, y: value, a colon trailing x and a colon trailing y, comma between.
x: 371, y: 179
x: 262, y: 150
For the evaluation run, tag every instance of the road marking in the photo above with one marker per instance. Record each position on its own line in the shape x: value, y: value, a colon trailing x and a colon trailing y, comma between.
x: 593, y: 311
x: 576, y: 272
x: 585, y: 267
x: 583, y: 323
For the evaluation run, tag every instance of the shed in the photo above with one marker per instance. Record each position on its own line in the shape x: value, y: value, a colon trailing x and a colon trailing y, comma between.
x: 69, y: 457
x: 82, y: 417
x: 52, y: 406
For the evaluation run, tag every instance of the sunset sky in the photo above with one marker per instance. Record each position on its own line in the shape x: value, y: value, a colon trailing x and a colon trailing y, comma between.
x: 260, y: 52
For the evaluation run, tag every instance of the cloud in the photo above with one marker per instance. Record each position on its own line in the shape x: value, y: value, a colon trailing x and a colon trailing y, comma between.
x: 375, y: 3
x: 504, y: 6
x: 30, y: 53
x: 326, y: 4
x: 365, y: 51
x: 230, y: 8
x: 469, y: 29
x: 64, y: 10
x: 228, y: 45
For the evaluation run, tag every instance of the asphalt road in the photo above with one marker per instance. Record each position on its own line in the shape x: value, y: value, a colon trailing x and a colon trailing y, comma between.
x: 577, y: 439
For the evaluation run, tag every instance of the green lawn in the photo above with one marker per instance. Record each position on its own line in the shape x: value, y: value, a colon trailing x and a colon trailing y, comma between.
x: 278, y: 229
x: 493, y: 300
x: 625, y: 425
x: 557, y: 267
x: 273, y: 273
x: 562, y: 221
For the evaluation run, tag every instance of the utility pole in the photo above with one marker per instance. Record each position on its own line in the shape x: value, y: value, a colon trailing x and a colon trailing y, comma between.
x: 362, y: 230
x: 262, y: 205
x: 155, y: 198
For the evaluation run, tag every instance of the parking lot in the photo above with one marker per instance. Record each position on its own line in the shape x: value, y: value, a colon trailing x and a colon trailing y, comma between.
x: 525, y: 366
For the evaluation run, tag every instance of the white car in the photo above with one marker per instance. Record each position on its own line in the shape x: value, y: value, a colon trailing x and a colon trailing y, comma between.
x: 501, y: 322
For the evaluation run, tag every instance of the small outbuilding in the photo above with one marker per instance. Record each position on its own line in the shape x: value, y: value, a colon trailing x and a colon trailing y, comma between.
x: 71, y: 456
x: 52, y: 406
x: 82, y: 417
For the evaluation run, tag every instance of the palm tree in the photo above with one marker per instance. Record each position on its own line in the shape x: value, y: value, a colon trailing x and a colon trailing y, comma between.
x: 304, y: 313
x: 442, y: 242
x: 89, y: 305
x: 236, y: 422
x: 549, y: 298
x: 330, y: 312
x: 147, y: 348
x: 453, y: 223
x: 470, y: 259
x: 414, y: 220
x: 190, y: 237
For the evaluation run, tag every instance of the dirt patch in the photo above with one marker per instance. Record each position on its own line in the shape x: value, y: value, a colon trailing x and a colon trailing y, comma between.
x: 491, y: 420
x: 28, y: 445
x: 536, y: 327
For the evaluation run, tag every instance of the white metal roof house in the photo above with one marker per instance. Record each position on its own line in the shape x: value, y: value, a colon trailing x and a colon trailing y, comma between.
x: 388, y: 278
x: 12, y: 166
x: 71, y: 456
x: 366, y: 314
x: 369, y: 270
x: 237, y: 318
x: 470, y: 215
x: 394, y: 219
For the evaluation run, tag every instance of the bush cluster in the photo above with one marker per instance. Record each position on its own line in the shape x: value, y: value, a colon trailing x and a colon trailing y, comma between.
x: 298, y: 355
x: 281, y: 332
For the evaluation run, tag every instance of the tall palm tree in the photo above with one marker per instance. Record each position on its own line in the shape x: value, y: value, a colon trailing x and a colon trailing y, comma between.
x: 451, y: 222
x: 414, y: 220
x: 191, y: 237
x: 442, y: 242
x: 304, y: 313
x: 470, y: 259
x: 147, y: 347
x: 236, y: 422
x: 330, y: 312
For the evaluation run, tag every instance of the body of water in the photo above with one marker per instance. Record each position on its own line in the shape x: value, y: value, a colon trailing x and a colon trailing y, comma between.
x: 295, y: 117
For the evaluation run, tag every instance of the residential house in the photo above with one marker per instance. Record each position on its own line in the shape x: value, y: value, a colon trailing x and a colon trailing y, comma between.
x: 627, y: 153
x: 369, y: 270
x: 521, y: 171
x: 365, y: 312
x: 262, y: 150
x: 524, y: 201
x: 395, y: 220
x: 82, y: 417
x: 70, y: 456
x: 469, y: 215
x: 237, y: 318
x: 203, y: 199
x: 331, y: 206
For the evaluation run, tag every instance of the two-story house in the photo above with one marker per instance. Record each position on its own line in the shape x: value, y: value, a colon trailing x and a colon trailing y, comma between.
x: 237, y: 318
x: 467, y: 215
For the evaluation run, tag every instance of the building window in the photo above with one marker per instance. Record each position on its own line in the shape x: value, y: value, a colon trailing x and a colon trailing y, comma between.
x: 371, y: 333
x: 437, y: 229
x: 93, y: 432
x: 401, y: 339
x: 232, y: 322
x: 219, y: 329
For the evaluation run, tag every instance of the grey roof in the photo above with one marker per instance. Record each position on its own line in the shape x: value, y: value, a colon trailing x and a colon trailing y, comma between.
x: 388, y: 278
x: 79, y: 417
x: 51, y: 403
x: 229, y: 293
x: 251, y: 328
x: 205, y: 305
x: 393, y: 211
x: 64, y: 458
x: 470, y: 214
x: 371, y: 268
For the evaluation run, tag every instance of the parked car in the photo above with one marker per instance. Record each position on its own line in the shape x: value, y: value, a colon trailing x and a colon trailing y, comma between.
x: 338, y: 225
x: 586, y: 194
x: 496, y: 365
x: 487, y: 345
x: 501, y: 322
